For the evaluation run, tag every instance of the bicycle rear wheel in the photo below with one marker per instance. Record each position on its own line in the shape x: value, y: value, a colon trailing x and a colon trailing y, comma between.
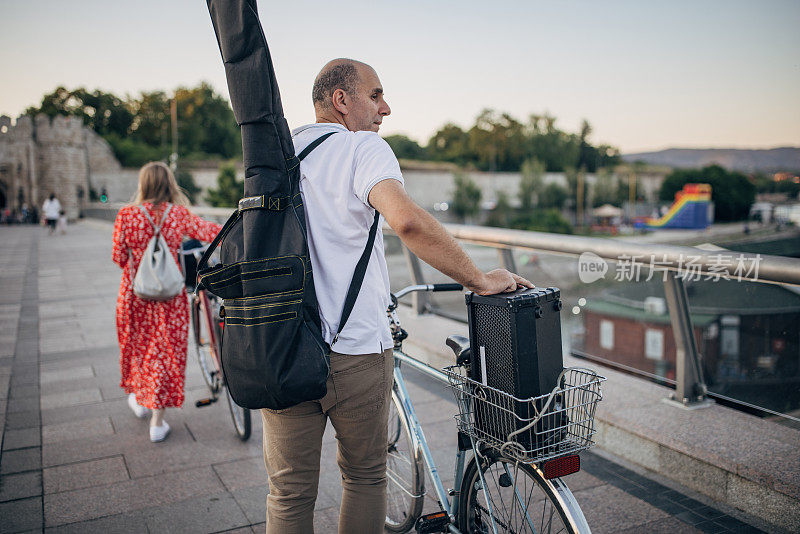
x: 520, y: 498
x: 202, y: 347
x: 240, y: 416
x: 405, y: 485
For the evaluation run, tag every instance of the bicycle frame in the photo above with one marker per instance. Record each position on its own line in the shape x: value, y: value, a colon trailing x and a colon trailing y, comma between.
x: 204, y: 306
x: 419, y: 443
x: 420, y: 447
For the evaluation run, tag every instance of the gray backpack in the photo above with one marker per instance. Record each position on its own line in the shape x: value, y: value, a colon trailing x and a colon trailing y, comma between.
x: 158, y: 276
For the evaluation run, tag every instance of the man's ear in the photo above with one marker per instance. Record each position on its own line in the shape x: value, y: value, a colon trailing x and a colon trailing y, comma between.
x: 340, y: 100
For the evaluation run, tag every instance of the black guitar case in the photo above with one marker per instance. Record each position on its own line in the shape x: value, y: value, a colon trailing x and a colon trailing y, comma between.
x: 273, y: 354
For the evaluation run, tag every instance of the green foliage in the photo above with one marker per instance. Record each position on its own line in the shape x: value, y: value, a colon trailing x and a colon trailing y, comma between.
x: 605, y: 190
x: 105, y: 113
x: 133, y: 153
x: 139, y: 129
x: 731, y: 192
x: 466, y: 197
x: 571, y: 175
x: 624, y: 190
x: 767, y: 184
x: 553, y: 196
x: 229, y: 190
x: 499, y: 142
x: 186, y: 182
x: 206, y: 123
x: 549, y: 220
x: 404, y: 147
x: 502, y: 213
x: 531, y: 182
x: 450, y: 143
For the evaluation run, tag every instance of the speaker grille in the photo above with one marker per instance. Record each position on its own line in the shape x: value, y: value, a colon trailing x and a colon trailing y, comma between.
x: 493, y: 325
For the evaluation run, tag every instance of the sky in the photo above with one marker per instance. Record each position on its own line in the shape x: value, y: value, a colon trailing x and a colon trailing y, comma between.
x: 646, y: 75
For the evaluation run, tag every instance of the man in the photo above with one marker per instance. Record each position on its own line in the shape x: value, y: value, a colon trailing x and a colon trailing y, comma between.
x: 343, y: 181
x: 52, y: 211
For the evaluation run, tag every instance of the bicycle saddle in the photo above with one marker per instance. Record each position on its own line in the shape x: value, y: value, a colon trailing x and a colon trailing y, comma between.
x: 460, y: 346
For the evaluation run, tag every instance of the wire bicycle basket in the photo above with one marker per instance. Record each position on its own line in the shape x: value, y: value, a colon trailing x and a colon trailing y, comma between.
x: 530, y: 430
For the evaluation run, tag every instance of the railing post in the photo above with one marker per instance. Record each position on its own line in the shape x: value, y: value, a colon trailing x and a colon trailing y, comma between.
x: 690, y: 389
x: 507, y: 259
x: 420, y: 299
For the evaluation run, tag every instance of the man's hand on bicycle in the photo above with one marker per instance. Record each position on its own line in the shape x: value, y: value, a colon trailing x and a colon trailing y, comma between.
x: 500, y: 281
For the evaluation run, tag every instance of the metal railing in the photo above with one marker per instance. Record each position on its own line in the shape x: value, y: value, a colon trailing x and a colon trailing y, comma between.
x: 690, y: 386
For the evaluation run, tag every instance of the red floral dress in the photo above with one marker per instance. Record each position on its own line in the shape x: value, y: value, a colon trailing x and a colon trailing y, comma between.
x: 153, y: 335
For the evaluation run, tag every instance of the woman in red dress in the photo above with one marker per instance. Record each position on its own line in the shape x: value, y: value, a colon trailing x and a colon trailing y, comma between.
x: 153, y: 334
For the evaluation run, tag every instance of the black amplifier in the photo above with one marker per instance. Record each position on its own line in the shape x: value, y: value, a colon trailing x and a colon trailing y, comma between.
x: 516, y: 348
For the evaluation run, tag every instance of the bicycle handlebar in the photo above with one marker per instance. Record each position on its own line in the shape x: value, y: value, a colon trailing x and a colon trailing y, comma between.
x: 428, y: 287
x: 447, y: 287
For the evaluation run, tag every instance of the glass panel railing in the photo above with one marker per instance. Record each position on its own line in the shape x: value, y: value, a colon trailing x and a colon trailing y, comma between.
x: 747, y: 333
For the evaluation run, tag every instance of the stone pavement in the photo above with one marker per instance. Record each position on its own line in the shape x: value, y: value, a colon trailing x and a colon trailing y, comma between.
x: 75, y: 459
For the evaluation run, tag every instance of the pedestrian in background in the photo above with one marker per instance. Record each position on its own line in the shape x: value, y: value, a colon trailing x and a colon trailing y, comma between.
x: 51, y: 210
x: 61, y: 226
x: 153, y: 334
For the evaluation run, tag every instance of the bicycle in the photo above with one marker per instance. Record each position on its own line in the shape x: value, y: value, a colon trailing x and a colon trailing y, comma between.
x: 512, y: 480
x: 207, y: 329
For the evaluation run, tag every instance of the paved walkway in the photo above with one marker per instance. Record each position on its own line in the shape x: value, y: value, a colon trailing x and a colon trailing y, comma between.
x: 74, y: 458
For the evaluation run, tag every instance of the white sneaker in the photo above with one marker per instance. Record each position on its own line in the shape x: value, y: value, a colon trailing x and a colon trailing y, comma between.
x: 138, y: 410
x: 159, y: 433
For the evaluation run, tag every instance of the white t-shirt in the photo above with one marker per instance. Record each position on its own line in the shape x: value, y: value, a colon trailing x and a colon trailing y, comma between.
x: 335, y: 181
x: 51, y: 208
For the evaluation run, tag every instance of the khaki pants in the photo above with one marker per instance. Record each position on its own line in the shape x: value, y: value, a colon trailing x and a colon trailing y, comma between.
x: 357, y: 404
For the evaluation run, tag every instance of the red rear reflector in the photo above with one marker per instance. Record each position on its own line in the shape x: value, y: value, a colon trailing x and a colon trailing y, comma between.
x: 561, y: 467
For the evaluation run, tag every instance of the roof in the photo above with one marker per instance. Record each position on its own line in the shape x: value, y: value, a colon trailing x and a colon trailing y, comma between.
x: 607, y: 210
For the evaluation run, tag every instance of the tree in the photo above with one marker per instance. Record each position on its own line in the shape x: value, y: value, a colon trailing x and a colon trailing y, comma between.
x: 502, y: 213
x: 731, y: 192
x: 543, y: 221
x: 450, y: 143
x: 497, y: 141
x: 404, y: 147
x: 151, y: 121
x: 531, y: 182
x: 553, y: 196
x: 229, y: 190
x: 105, y: 113
x: 206, y: 125
x: 189, y: 186
x: 138, y: 129
x: 466, y: 197
x: 605, y: 189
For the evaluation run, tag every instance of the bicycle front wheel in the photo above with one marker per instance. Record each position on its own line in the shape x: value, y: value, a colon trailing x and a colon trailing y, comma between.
x: 521, y: 500
x: 202, y: 346
x: 405, y: 486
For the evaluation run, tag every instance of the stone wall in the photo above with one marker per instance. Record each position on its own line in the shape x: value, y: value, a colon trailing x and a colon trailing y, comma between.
x: 44, y: 155
x: 120, y: 185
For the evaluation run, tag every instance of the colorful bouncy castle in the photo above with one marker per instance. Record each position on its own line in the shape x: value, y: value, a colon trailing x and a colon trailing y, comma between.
x: 692, y: 209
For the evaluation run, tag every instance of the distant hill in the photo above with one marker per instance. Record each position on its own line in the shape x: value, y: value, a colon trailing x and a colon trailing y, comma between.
x: 772, y: 160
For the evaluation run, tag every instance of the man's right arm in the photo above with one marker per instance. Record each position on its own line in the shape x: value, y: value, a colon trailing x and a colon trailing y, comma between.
x: 428, y: 239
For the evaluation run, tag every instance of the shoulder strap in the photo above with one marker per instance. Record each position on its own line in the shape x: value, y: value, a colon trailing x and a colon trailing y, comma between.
x: 235, y: 215
x: 219, y: 237
x: 358, y: 277
x: 163, y: 217
x: 363, y: 261
x: 314, y: 144
x: 156, y: 229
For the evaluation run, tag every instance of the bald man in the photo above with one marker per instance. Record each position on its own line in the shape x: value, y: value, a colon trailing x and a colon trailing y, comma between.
x: 344, y: 181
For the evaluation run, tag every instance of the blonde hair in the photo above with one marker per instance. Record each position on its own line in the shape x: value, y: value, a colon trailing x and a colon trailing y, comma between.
x: 157, y: 184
